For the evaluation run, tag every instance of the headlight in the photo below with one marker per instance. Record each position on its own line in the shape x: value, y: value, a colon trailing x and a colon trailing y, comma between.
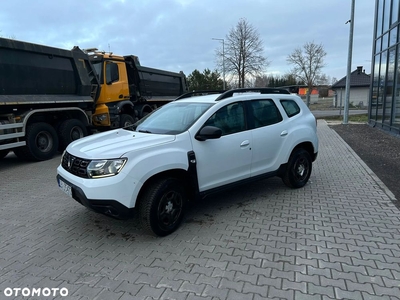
x: 101, y: 118
x: 105, y: 167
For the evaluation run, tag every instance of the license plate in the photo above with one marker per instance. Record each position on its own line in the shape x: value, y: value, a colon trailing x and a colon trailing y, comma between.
x: 65, y: 187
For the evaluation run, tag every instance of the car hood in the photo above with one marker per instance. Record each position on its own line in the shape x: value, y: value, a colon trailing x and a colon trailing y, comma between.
x: 115, y: 143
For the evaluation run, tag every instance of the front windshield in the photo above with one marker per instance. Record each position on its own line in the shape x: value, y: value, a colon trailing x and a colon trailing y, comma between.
x: 172, y: 118
x: 98, y: 65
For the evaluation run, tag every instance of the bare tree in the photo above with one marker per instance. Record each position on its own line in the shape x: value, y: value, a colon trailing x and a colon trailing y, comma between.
x: 243, y: 53
x: 308, y: 62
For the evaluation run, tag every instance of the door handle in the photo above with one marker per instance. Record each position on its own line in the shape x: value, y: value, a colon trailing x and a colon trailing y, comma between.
x: 245, y: 143
x: 284, y: 133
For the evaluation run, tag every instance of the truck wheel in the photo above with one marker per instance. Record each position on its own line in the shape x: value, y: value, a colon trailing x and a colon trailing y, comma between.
x: 69, y: 131
x: 41, y: 143
x: 161, y: 207
x: 126, y: 120
x: 298, y: 169
x: 3, y: 153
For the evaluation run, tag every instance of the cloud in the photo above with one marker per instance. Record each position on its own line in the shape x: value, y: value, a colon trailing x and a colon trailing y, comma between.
x: 177, y: 34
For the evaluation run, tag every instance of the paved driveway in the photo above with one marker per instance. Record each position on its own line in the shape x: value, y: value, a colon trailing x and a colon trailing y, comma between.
x: 337, y: 238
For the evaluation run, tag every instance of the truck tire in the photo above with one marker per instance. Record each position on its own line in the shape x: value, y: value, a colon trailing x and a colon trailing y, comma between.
x: 126, y: 120
x: 41, y: 143
x: 161, y: 206
x: 69, y: 131
x: 298, y: 169
x: 3, y: 153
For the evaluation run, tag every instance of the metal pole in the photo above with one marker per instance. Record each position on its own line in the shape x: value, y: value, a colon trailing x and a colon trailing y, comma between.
x: 347, y: 98
x: 223, y: 59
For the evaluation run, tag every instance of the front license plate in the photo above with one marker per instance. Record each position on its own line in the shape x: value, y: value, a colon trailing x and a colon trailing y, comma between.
x: 65, y: 187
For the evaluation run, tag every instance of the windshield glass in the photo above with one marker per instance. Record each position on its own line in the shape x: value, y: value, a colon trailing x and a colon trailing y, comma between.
x: 97, y: 65
x: 172, y: 118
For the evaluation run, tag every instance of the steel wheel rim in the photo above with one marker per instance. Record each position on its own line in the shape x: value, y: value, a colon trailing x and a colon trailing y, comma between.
x: 301, y: 169
x: 169, y: 209
x: 76, y: 133
x: 44, y: 141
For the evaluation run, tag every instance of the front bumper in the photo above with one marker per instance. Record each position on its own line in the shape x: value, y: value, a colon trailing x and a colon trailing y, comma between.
x: 108, y: 207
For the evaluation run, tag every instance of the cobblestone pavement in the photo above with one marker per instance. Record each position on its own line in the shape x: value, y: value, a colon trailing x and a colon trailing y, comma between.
x: 337, y: 238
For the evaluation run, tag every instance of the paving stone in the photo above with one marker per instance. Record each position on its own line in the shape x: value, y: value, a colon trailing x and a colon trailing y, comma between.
x: 335, y: 238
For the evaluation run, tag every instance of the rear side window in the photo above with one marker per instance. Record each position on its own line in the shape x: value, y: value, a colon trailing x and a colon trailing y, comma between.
x: 291, y: 108
x: 264, y: 113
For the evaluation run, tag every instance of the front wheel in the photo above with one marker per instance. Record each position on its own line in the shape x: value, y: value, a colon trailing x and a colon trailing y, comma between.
x: 126, y: 121
x: 298, y: 169
x: 161, y: 206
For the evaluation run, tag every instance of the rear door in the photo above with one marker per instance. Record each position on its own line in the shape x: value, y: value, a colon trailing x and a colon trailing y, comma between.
x: 268, y: 135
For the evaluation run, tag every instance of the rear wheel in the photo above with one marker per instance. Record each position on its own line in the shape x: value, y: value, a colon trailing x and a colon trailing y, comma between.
x: 298, y: 169
x: 41, y: 142
x: 161, y: 206
x: 69, y: 131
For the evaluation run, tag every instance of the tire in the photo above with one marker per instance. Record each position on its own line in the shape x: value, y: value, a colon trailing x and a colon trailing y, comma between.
x: 3, y: 153
x: 298, y: 169
x: 69, y: 131
x: 161, y: 207
x: 41, y: 143
x: 126, y: 120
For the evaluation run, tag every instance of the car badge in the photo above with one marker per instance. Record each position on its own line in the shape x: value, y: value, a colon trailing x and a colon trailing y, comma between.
x: 70, y: 162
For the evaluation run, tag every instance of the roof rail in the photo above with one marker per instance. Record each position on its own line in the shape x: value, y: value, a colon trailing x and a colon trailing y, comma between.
x: 199, y: 93
x: 230, y: 93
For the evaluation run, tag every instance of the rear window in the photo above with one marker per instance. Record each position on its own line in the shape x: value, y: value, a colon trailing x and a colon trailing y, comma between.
x: 291, y: 108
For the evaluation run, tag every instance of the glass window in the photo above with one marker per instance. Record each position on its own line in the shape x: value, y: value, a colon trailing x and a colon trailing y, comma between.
x: 378, y: 44
x: 382, y: 86
x: 396, y: 104
x: 230, y: 119
x: 379, y: 15
x: 375, y: 88
x: 386, y: 16
x: 385, y: 41
x: 395, y: 11
x: 172, y: 118
x: 291, y: 108
x: 387, y: 114
x: 264, y: 113
x: 393, y: 37
x: 112, y: 73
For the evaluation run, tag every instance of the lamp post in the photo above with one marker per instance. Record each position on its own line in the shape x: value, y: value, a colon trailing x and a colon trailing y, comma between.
x: 348, y: 83
x: 223, y: 59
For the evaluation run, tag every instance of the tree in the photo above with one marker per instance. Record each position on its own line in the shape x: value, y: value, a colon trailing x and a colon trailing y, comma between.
x: 243, y: 53
x: 308, y: 62
x: 204, y: 81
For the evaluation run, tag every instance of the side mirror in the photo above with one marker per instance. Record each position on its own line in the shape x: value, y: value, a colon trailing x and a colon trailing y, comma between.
x: 208, y: 132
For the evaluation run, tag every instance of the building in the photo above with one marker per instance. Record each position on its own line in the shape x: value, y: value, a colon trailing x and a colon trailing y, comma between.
x: 360, y: 83
x: 384, y: 110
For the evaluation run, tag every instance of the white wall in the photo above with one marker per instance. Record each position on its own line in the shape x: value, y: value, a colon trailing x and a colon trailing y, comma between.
x: 356, y: 96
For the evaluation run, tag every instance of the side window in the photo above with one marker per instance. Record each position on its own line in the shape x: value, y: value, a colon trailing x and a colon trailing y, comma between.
x: 291, y: 108
x: 112, y: 74
x: 230, y: 118
x: 265, y: 113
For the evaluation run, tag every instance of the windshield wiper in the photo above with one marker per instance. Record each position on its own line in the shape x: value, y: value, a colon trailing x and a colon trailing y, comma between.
x: 145, y: 131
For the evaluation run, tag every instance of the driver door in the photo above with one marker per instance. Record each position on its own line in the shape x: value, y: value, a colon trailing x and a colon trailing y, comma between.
x: 226, y: 159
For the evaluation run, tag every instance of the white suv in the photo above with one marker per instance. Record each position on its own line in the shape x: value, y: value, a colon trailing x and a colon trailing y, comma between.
x: 189, y: 148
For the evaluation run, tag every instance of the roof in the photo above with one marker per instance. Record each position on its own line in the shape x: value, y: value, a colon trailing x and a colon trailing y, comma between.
x: 358, y: 78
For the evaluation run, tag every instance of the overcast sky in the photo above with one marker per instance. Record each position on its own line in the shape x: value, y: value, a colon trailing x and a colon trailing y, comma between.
x: 176, y: 35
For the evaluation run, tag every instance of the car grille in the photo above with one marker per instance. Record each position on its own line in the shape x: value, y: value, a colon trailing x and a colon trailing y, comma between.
x: 75, y: 165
